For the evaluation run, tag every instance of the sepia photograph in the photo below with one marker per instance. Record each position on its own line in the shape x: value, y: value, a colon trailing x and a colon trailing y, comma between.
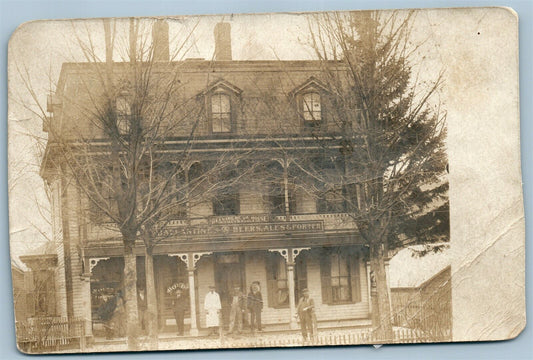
x: 233, y: 181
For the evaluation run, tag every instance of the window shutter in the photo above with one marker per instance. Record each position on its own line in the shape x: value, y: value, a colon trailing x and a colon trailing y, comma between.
x: 271, y: 282
x: 325, y: 276
x: 300, y: 275
x: 355, y: 278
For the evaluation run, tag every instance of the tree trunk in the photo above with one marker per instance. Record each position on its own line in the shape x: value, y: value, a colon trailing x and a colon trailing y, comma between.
x: 130, y: 297
x: 151, y: 300
x: 382, y: 320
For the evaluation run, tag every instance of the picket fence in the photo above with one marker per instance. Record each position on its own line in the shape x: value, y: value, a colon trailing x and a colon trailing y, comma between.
x: 51, y: 333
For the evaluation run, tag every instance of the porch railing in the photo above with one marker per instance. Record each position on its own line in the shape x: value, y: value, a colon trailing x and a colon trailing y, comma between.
x: 51, y: 333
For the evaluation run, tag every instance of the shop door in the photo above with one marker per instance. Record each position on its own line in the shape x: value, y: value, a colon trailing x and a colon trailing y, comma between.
x: 229, y: 274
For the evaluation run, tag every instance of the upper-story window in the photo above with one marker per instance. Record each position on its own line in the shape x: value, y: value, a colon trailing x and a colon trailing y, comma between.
x: 276, y: 199
x: 226, y: 200
x: 309, y: 100
x: 179, y: 189
x: 226, y: 203
x: 331, y: 201
x: 222, y: 104
x: 220, y: 113
x: 311, y: 108
x: 123, y: 111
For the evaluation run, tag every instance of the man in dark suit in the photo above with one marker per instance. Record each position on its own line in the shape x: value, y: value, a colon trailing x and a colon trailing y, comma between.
x: 255, y: 305
x: 142, y: 305
x: 179, y: 305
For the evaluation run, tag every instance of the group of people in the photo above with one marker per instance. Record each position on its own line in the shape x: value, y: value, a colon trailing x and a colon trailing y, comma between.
x: 240, y: 305
x: 253, y: 302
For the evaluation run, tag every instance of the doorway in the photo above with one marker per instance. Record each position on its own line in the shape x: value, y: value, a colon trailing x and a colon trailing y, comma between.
x: 229, y: 273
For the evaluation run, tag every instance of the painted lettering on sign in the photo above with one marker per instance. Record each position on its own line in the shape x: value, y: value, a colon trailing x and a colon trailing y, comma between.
x: 221, y: 229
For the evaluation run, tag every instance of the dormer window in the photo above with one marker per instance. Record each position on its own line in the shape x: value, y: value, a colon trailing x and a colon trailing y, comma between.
x: 221, y: 101
x: 311, y: 107
x: 220, y: 113
x: 309, y: 102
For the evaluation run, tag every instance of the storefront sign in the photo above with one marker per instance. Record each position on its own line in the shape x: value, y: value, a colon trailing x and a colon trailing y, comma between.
x: 253, y: 228
x: 240, y: 219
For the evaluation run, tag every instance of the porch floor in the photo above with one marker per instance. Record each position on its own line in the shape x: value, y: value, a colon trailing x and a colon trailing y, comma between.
x: 269, y: 338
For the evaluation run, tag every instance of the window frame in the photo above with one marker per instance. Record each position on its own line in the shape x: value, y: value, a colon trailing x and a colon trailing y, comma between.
x: 312, y: 121
x: 221, y: 197
x: 226, y: 194
x: 179, y: 186
x: 353, y: 276
x: 221, y: 94
x: 123, y: 117
x: 334, y: 204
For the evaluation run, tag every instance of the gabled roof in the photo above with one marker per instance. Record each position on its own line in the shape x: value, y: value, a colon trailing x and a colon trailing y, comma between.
x: 221, y: 83
x: 312, y: 82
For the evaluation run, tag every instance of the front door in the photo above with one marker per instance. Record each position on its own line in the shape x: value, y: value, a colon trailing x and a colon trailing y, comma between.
x: 229, y: 274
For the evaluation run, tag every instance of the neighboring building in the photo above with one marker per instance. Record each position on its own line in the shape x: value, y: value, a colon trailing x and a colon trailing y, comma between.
x: 421, y: 290
x: 34, y: 284
x: 281, y: 234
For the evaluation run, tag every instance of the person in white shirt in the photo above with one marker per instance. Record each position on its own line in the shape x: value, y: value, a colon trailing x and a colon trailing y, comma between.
x: 212, y: 308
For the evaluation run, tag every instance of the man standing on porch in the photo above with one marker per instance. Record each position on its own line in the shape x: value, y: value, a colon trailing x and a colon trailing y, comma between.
x: 238, y: 308
x: 212, y: 308
x: 179, y: 304
x: 255, y: 305
x: 306, y: 313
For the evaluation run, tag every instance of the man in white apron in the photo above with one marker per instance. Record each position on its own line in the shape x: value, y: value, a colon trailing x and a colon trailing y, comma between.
x: 212, y: 308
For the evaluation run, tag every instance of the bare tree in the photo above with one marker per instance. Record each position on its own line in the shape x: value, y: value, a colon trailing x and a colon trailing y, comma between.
x: 117, y: 150
x: 386, y: 137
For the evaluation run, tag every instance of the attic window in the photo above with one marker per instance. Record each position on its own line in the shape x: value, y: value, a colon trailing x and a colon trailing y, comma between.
x: 221, y: 113
x: 311, y: 107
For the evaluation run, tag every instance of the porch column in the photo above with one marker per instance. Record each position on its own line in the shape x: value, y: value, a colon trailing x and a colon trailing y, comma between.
x: 190, y: 260
x: 292, y: 301
x: 290, y: 255
x: 86, y: 304
x: 88, y: 266
x: 192, y: 298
